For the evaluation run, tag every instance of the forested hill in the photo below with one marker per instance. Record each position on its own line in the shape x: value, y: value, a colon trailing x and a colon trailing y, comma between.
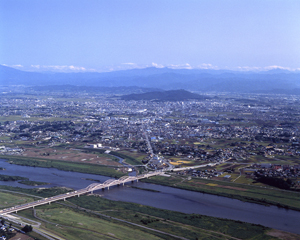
x: 172, y: 95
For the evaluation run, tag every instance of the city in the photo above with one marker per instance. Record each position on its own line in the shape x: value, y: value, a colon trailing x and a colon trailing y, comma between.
x: 237, y: 139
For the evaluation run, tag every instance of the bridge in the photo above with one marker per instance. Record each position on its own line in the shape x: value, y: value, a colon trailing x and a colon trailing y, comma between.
x: 89, y: 189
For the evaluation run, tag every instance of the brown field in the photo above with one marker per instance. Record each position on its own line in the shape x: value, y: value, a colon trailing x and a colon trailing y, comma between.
x: 283, y: 235
x: 20, y: 236
x: 136, y: 155
x: 220, y: 186
x: 234, y: 188
x: 72, y: 155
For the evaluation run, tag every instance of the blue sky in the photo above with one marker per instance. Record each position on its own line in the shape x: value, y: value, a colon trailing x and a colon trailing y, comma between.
x: 105, y: 35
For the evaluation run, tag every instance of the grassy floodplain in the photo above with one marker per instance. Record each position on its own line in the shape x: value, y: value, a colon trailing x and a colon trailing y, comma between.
x: 93, y: 217
x: 9, y: 200
x: 33, y: 183
x: 64, y: 165
x: 249, y: 193
x: 81, y: 225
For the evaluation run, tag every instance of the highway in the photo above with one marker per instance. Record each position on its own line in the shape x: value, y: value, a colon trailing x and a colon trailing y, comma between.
x: 92, y: 187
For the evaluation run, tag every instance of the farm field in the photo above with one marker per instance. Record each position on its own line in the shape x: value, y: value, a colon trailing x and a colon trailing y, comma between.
x: 72, y: 155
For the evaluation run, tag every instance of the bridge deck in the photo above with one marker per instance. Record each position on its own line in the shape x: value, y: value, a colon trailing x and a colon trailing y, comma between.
x: 93, y: 187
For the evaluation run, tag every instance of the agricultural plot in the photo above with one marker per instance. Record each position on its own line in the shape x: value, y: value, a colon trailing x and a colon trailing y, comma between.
x: 72, y: 155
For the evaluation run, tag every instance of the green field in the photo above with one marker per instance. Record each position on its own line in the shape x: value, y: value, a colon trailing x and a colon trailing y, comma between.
x: 8, y: 200
x: 65, y: 166
x: 79, y: 225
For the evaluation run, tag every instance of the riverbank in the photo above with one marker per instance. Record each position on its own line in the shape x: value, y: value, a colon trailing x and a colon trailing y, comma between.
x: 93, y: 213
x: 163, y: 197
x: 247, y: 193
x: 66, y: 166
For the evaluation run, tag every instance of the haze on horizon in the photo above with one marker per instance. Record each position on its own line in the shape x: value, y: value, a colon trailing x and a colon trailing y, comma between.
x: 100, y: 35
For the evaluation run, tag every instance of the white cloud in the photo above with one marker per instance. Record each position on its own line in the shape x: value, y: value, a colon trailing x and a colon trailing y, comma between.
x: 133, y: 64
x: 267, y: 68
x: 35, y: 66
x: 59, y: 68
x: 207, y: 66
x: 277, y: 67
x: 122, y: 66
x: 157, y: 65
x: 246, y: 68
x: 13, y: 66
x: 180, y: 66
x: 17, y: 66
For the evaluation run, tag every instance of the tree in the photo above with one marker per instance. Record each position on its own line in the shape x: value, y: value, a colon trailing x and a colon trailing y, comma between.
x: 2, y: 221
x: 27, y: 228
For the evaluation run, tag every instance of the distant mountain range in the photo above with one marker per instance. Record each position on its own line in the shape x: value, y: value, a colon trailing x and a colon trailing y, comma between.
x: 203, y: 80
x: 171, y: 95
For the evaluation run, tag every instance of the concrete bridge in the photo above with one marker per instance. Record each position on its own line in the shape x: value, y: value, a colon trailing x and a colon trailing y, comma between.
x: 93, y: 187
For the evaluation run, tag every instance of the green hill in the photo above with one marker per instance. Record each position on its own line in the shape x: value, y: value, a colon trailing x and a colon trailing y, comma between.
x: 172, y: 95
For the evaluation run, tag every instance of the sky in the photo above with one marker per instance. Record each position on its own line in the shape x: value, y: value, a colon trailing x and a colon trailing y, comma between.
x: 108, y: 35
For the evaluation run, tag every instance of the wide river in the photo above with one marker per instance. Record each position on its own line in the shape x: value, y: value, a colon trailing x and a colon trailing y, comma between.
x: 167, y: 197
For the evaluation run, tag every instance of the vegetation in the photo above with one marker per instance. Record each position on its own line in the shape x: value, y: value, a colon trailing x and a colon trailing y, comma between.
x: 7, y: 178
x: 33, y: 183
x: 94, y: 216
x: 145, y: 189
x: 39, y: 192
x: 79, y: 225
x: 65, y: 166
x: 248, y: 193
x: 172, y: 95
x: 187, y: 225
x: 276, y: 182
x: 9, y: 199
x: 27, y: 228
x: 128, y: 159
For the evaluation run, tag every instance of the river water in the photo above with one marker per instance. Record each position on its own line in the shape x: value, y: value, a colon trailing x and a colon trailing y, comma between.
x: 167, y: 198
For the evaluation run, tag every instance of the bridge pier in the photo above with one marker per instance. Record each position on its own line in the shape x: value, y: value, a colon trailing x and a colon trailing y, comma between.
x: 64, y: 199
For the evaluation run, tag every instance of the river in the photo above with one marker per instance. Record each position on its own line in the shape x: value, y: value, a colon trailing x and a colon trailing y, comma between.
x: 167, y: 197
